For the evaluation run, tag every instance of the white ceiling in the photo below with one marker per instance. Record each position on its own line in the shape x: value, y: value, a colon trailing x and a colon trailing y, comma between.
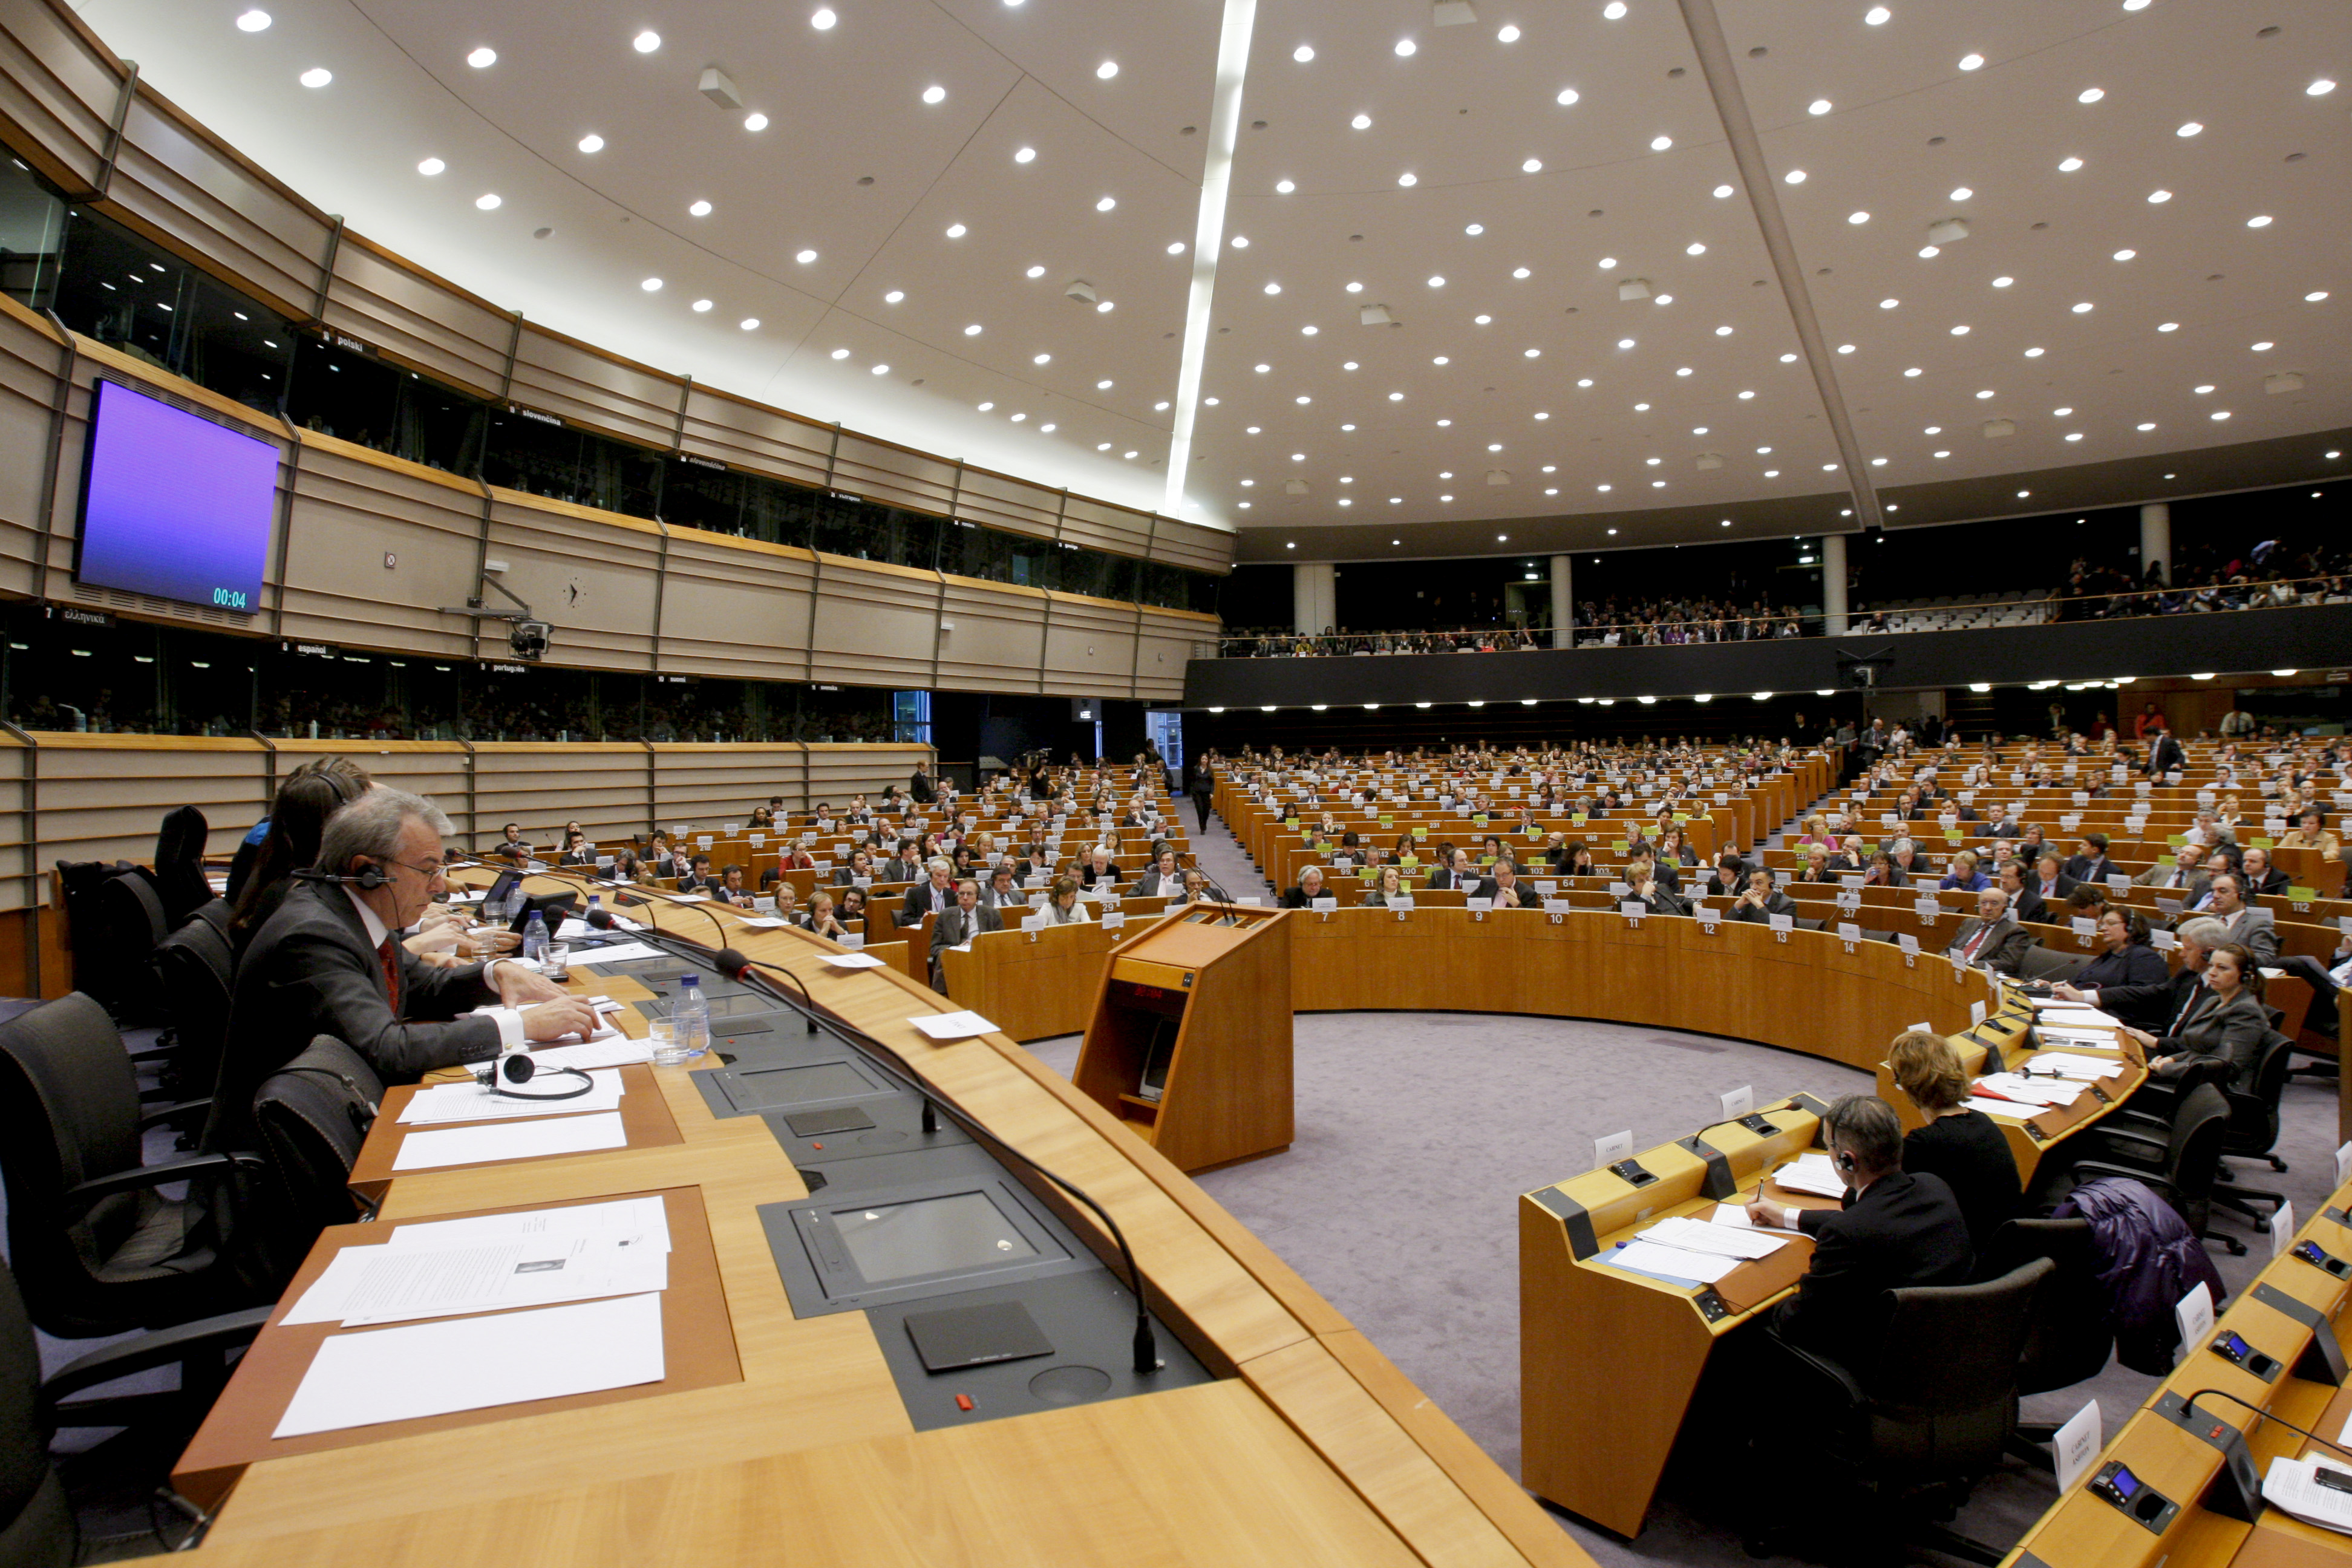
x: 1906, y: 129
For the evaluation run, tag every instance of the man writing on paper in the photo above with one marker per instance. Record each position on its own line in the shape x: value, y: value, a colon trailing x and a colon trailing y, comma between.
x: 329, y: 963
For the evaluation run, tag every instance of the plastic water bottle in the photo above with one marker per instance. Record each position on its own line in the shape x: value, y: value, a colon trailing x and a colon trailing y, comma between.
x: 595, y: 907
x: 534, y: 938
x: 691, y: 1013
x: 517, y: 899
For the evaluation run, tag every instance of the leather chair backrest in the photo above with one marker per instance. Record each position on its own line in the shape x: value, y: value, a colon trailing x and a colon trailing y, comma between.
x: 36, y: 1525
x: 2194, y: 1148
x: 2070, y: 1339
x: 133, y: 923
x: 194, y: 967
x: 68, y: 1113
x: 1950, y: 1349
x: 2254, y: 1108
x: 180, y: 864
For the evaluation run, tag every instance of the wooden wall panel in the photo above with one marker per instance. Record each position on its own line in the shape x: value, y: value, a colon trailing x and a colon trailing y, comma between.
x: 1195, y: 545
x: 736, y: 608
x: 745, y: 435
x: 21, y: 867
x: 896, y: 475
x: 875, y: 625
x: 559, y: 376
x: 712, y: 785
x: 1100, y: 525
x: 1015, y: 506
x: 441, y: 771
x: 838, y: 771
x: 1089, y: 646
x: 180, y: 186
x: 58, y: 86
x: 1169, y: 638
x: 350, y: 508
x: 590, y: 574
x: 997, y: 641
x: 602, y: 785
x: 103, y: 796
x: 418, y: 319
x: 30, y: 356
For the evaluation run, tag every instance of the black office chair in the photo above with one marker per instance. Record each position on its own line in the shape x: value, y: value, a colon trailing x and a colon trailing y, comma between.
x: 1931, y: 1412
x: 194, y: 966
x: 2180, y: 1161
x: 37, y: 1525
x: 131, y: 923
x: 2070, y: 1339
x: 2050, y: 965
x: 98, y: 1249
x: 2253, y: 1130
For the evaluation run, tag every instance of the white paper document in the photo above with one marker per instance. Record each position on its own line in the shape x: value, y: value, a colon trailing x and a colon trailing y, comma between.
x: 640, y: 1221
x: 2086, y: 1068
x: 1724, y: 1241
x: 446, y: 1102
x: 1812, y: 1172
x: 616, y: 1051
x: 1648, y: 1258
x: 2074, y: 1017
x: 511, y: 1141
x: 2292, y: 1485
x: 962, y: 1025
x: 620, y: 952
x: 432, y: 1369
x: 2002, y: 1106
x: 766, y: 922
x: 398, y: 1284
x: 853, y: 960
x: 2032, y: 1091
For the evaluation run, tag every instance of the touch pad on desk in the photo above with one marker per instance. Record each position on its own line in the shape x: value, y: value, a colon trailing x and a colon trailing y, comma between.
x: 817, y: 1123
x: 974, y: 1336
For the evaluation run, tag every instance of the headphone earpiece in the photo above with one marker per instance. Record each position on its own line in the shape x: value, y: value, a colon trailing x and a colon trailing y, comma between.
x: 369, y: 877
x: 1845, y: 1161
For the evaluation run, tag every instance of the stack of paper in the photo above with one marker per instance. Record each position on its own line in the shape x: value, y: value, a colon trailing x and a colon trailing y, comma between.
x: 2029, y: 1092
x: 533, y: 1259
x: 2085, y: 1069
x: 1812, y: 1172
x: 2294, y: 1485
x: 1645, y: 1256
x: 620, y: 952
x: 446, y: 1102
x: 497, y: 1141
x: 1720, y: 1240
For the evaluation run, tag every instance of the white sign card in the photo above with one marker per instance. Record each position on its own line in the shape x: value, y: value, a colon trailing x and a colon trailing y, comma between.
x: 2194, y: 1314
x: 1615, y: 1147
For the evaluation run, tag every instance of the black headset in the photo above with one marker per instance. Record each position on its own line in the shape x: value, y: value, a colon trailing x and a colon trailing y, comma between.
x: 369, y: 878
x: 517, y: 1067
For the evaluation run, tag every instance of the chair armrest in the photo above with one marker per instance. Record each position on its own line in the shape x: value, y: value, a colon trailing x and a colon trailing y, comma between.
x: 2090, y: 1170
x: 2125, y: 1148
x: 164, y: 1347
x: 174, y: 1114
x: 82, y: 1195
x: 1821, y: 1378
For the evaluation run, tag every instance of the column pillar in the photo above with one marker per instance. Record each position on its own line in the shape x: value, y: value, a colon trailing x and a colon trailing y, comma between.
x: 1833, y: 584
x: 1563, y: 604
x: 2156, y: 537
x: 1313, y: 598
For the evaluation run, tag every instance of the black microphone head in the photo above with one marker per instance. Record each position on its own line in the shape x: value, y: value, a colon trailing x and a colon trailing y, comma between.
x: 733, y: 963
x: 600, y: 918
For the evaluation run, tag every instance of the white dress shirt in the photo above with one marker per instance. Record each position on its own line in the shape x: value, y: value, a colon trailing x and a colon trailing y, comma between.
x: 509, y: 1019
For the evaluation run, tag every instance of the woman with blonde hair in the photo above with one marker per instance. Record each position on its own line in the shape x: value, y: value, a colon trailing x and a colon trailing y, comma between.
x: 1817, y: 831
x: 1389, y: 886
x: 1964, y: 1147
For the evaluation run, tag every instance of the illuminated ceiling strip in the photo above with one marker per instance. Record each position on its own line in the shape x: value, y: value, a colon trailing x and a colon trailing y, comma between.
x: 1208, y: 235
x: 1722, y: 75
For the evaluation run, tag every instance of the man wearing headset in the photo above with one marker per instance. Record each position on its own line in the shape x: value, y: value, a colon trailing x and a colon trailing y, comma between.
x: 1894, y: 1229
x: 329, y: 962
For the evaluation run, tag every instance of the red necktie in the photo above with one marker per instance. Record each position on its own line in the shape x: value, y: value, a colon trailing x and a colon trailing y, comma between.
x: 387, y: 957
x: 1977, y: 942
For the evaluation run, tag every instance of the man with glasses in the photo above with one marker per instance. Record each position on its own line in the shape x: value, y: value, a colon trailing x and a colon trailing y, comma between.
x: 330, y: 962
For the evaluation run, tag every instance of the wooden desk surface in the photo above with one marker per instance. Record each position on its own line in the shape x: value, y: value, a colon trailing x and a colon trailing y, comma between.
x: 1312, y: 1449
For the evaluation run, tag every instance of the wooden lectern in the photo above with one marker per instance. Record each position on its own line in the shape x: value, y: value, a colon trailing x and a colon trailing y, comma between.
x: 1189, y: 1044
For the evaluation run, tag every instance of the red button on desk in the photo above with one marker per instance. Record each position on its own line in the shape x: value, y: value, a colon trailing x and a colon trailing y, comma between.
x: 963, y: 1402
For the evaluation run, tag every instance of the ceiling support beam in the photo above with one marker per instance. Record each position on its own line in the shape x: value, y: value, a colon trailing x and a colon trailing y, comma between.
x: 1209, y: 236
x: 1714, y: 62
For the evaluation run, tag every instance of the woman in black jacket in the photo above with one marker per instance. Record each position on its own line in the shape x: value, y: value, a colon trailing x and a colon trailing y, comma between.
x: 2127, y: 960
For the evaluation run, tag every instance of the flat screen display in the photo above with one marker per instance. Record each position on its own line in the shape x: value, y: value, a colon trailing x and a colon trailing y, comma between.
x: 175, y: 506
x: 930, y: 1236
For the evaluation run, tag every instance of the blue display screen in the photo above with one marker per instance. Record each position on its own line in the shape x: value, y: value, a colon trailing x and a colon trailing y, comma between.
x: 174, y: 505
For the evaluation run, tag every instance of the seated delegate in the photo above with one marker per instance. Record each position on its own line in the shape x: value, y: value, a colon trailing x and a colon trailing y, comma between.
x: 1964, y: 1147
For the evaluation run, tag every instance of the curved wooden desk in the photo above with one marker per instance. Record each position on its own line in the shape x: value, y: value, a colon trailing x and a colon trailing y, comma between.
x: 1310, y: 1449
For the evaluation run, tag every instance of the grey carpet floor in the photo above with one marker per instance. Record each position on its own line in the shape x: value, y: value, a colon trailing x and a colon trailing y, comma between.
x: 1417, y: 1131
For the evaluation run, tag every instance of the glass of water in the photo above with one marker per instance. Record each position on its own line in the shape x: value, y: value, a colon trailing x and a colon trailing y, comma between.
x: 555, y: 962
x: 662, y: 1034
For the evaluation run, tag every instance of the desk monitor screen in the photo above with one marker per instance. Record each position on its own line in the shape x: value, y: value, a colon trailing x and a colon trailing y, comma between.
x: 930, y: 1236
x: 801, y: 1086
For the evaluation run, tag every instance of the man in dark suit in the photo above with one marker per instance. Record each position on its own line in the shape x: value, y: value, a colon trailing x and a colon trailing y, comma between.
x: 697, y: 877
x: 2183, y: 874
x: 958, y: 924
x: 2240, y: 924
x: 935, y: 892
x: 330, y: 962
x: 1459, y: 875
x: 2025, y: 905
x: 1894, y: 1230
x: 1761, y: 901
x: 1991, y: 938
x: 2090, y: 862
x: 920, y: 787
x: 1309, y: 889
x: 2162, y: 1006
x: 2164, y: 754
x: 1645, y: 881
x: 2261, y: 876
x: 1201, y: 784
x: 2050, y: 881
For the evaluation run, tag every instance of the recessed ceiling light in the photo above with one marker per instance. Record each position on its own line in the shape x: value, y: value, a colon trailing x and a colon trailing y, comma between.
x: 2168, y: 327
x: 1018, y: 418
x: 986, y: 406
x: 1744, y: 396
x: 894, y: 296
x: 2315, y: 296
x: 700, y: 306
x: 2003, y: 282
x: 805, y: 257
x: 2082, y: 306
x: 1912, y: 371
x: 488, y: 202
x: 2068, y: 165
x: 1283, y: 187
x: 2022, y: 494
x: 1819, y: 106
x: 1961, y: 332
x: 2261, y: 220
x: 1663, y: 300
x: 1986, y: 393
x: 1794, y: 177
x: 1615, y: 11
x: 1475, y: 229
x: 2090, y: 95
x: 1506, y: 35
x: 592, y: 142
x: 317, y: 76
x: 1962, y: 194
x: 2033, y: 353
x: 1106, y: 71
x: 2126, y: 255
x: 254, y: 21
x: 698, y: 209
x: 844, y: 353
x: 2075, y: 436
x: 1303, y: 53
x: 755, y: 120
x: 2220, y: 414
x: 1660, y: 144
x: 1857, y: 218
x: 935, y: 93
x: 431, y: 166
x: 1041, y: 359
x: 1788, y: 359
x: 1105, y: 205
x: 1239, y: 242
x: 483, y: 59
x: 2201, y: 391
x: 1568, y: 95
x: 1930, y: 252
x: 1933, y: 430
x: 1877, y: 16
x: 1406, y: 49
x: 1025, y: 155
x: 2159, y: 198
x: 956, y: 231
x: 646, y: 42
x: 2320, y: 88
x: 1274, y: 288
x: 749, y: 324
x: 2149, y: 424
x: 1641, y: 408
x: 1695, y: 248
x: 1971, y: 62
x: 2261, y: 347
x: 1407, y: 180
x: 651, y: 285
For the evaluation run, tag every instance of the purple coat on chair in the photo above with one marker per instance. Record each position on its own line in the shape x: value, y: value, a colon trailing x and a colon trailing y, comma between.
x: 2148, y: 1259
